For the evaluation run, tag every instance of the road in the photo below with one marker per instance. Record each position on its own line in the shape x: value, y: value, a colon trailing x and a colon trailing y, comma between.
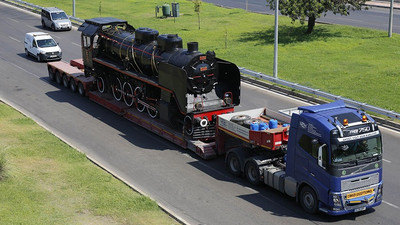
x: 195, y: 190
x: 375, y: 17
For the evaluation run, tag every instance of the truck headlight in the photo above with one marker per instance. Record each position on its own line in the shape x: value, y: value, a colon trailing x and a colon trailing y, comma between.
x: 337, y: 202
x: 379, y: 194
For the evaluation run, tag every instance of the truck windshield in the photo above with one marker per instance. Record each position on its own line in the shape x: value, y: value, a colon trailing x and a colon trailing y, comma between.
x: 59, y: 16
x: 356, y: 151
x: 45, y: 43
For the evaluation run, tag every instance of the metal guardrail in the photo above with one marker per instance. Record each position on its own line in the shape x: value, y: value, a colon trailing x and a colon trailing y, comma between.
x: 38, y: 9
x: 296, y: 86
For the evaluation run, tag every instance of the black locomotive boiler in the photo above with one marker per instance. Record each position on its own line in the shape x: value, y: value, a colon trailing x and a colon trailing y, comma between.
x: 154, y: 73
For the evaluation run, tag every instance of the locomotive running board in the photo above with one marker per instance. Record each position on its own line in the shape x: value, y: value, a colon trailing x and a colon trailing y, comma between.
x: 204, y: 150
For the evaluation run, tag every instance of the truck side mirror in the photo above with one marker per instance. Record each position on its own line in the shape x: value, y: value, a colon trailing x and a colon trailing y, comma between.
x: 320, y: 153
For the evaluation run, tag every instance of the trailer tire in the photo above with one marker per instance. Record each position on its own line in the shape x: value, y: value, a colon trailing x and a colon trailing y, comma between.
x: 308, y: 200
x: 239, y: 119
x: 233, y: 164
x: 58, y: 77
x: 81, y: 90
x: 51, y: 73
x: 65, y: 81
x: 252, y: 172
x: 73, y: 86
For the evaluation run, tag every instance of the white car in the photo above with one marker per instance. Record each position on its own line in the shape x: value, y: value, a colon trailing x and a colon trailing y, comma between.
x: 42, y: 46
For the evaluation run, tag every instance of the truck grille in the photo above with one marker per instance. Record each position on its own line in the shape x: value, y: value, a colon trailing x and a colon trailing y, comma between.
x: 359, y: 182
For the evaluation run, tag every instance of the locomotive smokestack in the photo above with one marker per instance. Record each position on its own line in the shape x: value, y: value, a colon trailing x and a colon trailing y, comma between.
x: 192, y: 47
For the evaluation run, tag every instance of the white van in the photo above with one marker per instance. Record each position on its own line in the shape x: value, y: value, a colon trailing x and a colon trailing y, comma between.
x: 42, y: 46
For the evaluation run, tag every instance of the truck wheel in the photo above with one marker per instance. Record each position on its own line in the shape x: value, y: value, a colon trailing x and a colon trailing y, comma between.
x: 252, y: 171
x: 43, y: 24
x: 239, y: 119
x: 53, y: 27
x: 51, y: 73
x: 81, y: 90
x: 233, y: 164
x: 58, y: 77
x: 26, y: 52
x: 308, y: 200
x: 65, y: 81
x: 73, y: 86
x: 38, y: 58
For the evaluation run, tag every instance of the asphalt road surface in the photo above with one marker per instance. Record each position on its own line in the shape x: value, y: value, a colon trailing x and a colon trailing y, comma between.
x: 195, y: 190
x: 375, y: 17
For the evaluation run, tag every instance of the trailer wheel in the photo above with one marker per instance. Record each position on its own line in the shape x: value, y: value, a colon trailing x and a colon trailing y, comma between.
x: 239, y: 119
x: 233, y: 164
x: 308, y: 200
x: 81, y: 90
x: 252, y: 171
x: 58, y: 77
x: 73, y: 86
x: 65, y: 81
x: 51, y: 73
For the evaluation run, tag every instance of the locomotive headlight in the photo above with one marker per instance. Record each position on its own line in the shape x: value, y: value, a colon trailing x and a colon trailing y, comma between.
x: 198, y: 106
x: 228, y: 98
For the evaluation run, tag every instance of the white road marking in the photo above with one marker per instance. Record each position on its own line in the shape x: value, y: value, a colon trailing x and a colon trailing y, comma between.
x: 13, y: 20
x: 56, y: 36
x: 76, y: 44
x: 14, y: 39
x: 26, y: 71
x: 385, y: 160
x: 390, y: 204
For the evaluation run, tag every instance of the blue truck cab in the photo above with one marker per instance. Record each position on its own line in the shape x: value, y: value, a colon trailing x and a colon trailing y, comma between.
x: 334, y: 154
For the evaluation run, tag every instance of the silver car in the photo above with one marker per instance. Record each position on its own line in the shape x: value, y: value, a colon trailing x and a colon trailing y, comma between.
x: 55, y: 18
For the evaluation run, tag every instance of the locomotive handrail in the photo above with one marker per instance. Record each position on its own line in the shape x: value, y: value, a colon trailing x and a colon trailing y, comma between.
x: 296, y: 86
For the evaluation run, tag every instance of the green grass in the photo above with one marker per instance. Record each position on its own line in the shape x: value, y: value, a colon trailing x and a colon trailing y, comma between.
x: 44, y: 181
x: 357, y: 63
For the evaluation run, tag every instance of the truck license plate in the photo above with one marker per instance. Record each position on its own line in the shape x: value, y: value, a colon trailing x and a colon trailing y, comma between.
x: 360, y: 209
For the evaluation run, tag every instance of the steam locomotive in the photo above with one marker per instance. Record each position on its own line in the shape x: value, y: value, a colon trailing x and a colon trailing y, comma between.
x: 153, y: 73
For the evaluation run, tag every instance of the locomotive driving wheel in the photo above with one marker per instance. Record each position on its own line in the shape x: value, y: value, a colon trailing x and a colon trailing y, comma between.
x: 116, y: 89
x: 129, y: 95
x: 139, y: 97
x: 100, y: 84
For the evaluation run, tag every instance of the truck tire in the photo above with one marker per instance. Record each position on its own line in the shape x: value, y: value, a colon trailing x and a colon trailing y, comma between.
x: 233, y: 164
x: 239, y: 119
x: 308, y: 200
x: 252, y: 172
x: 43, y: 24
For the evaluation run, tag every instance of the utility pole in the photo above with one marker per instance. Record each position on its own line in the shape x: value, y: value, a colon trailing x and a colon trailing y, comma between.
x: 276, y: 40
x: 73, y: 8
x: 391, y: 18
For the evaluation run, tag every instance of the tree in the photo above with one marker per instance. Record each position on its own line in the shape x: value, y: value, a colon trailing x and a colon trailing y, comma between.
x: 313, y: 9
x: 197, y: 4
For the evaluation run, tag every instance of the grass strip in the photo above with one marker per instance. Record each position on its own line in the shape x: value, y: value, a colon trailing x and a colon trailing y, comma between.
x: 45, y: 181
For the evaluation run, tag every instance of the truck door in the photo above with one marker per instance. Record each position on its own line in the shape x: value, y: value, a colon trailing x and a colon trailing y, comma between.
x: 308, y: 169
